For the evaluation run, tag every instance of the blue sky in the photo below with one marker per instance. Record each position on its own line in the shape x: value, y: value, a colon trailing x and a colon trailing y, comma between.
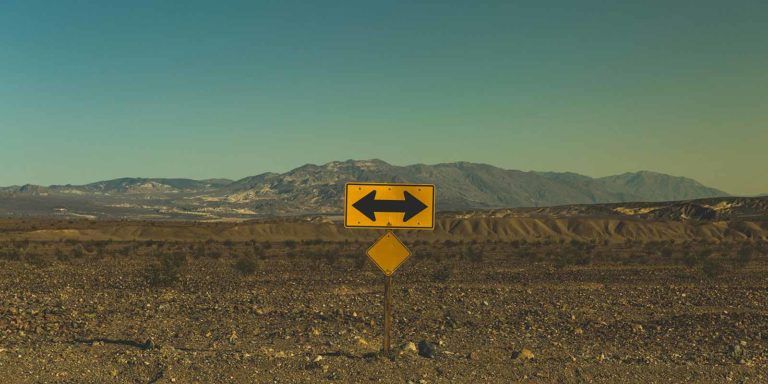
x: 93, y: 90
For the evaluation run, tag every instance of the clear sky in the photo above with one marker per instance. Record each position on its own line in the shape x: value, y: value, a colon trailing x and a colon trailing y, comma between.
x: 93, y: 90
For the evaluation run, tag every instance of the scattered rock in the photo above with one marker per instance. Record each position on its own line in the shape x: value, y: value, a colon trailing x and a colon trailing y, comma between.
x: 408, y: 347
x: 361, y: 342
x: 427, y: 349
x: 736, y: 352
x: 524, y: 354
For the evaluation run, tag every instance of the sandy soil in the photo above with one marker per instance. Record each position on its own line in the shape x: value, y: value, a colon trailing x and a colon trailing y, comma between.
x: 495, y: 312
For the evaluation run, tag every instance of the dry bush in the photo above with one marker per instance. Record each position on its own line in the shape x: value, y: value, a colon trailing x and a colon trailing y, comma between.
x: 61, y: 255
x: 426, y: 255
x: 705, y: 254
x: 559, y: 260
x: 167, y: 270
x: 583, y: 258
x: 689, y: 259
x: 78, y: 251
x: 199, y: 251
x: 9, y: 253
x: 443, y: 273
x: 360, y: 262
x: 712, y: 268
x: 259, y: 252
x: 330, y: 255
x: 246, y: 265
x: 744, y: 256
x: 475, y: 255
x: 37, y: 260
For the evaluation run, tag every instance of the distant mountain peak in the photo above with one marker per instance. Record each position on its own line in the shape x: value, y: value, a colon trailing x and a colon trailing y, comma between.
x: 320, y: 189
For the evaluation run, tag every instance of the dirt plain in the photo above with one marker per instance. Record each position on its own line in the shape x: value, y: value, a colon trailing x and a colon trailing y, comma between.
x: 76, y: 307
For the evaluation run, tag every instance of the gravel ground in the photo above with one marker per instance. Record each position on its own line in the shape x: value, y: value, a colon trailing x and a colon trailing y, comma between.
x: 298, y: 320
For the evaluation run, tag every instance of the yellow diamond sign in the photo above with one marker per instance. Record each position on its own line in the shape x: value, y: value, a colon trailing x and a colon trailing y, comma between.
x: 388, y: 253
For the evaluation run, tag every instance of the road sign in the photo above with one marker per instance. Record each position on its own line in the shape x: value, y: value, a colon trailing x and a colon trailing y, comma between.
x: 379, y: 205
x: 390, y: 206
x: 388, y: 253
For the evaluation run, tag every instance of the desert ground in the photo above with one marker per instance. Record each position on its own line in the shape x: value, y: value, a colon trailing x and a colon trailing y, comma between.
x: 531, y: 300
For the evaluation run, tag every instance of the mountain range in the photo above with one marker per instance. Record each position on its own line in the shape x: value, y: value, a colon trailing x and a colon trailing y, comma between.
x: 318, y: 189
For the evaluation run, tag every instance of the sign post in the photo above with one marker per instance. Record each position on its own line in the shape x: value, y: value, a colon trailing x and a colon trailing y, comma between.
x: 388, y: 315
x: 389, y: 206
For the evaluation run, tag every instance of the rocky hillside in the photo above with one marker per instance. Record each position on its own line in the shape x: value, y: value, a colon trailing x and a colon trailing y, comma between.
x: 313, y: 189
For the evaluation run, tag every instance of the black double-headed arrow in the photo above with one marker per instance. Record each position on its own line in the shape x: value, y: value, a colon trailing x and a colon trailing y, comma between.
x: 410, y: 207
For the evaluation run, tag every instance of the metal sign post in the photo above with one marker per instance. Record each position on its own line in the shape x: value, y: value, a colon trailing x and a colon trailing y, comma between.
x: 388, y: 315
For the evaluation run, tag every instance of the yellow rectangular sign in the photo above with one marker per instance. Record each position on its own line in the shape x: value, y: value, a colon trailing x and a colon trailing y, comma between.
x: 380, y: 205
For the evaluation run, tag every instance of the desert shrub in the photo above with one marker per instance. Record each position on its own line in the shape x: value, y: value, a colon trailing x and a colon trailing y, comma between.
x: 9, y: 254
x: 214, y: 254
x: 705, y: 254
x: 99, y: 254
x: 200, y: 251
x: 167, y: 269
x: 312, y: 242
x: 641, y: 258
x: 246, y: 265
x: 126, y: 250
x: 476, y: 255
x: 235, y: 254
x: 60, y: 255
x: 290, y: 244
x: 443, y: 273
x: 712, y: 268
x: 559, y: 260
x: 360, y: 262
x: 744, y: 256
x: 689, y: 260
x: 583, y: 258
x: 331, y: 256
x: 37, y: 260
x: 78, y: 251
